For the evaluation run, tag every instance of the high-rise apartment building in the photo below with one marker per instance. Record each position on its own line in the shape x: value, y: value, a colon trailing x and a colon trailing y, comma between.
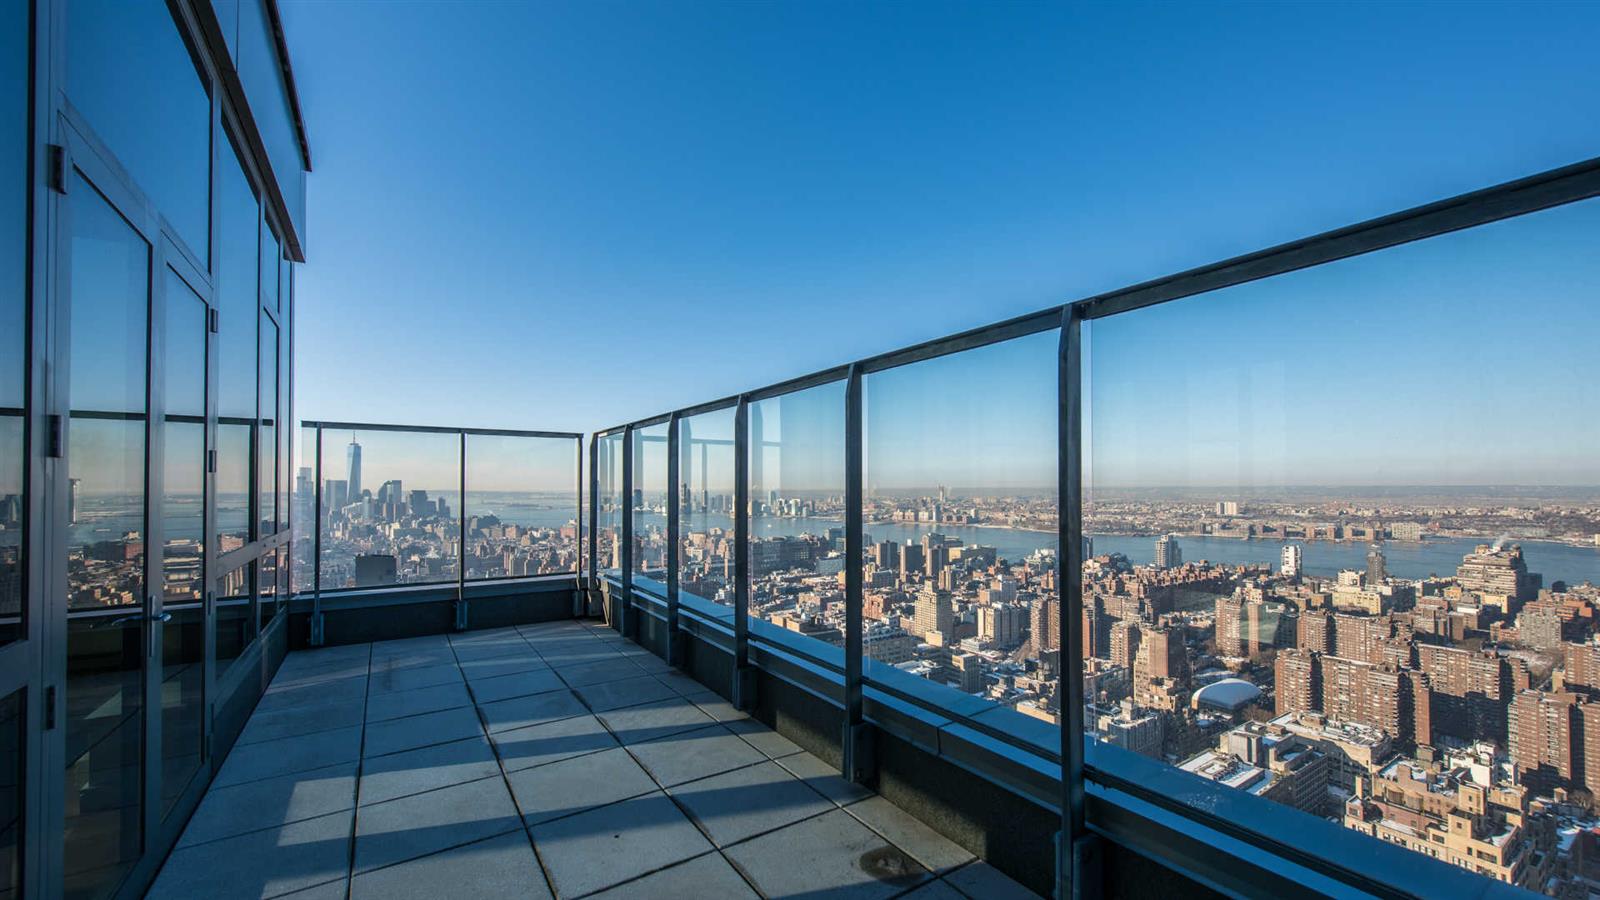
x: 1290, y: 561
x: 1377, y: 567
x: 1499, y: 576
x: 1168, y: 554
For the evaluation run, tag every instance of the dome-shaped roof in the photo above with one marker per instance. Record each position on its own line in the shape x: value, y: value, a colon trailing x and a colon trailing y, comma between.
x: 1228, y: 694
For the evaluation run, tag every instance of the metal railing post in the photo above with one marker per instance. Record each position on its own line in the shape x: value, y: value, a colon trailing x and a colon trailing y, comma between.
x: 624, y: 622
x: 672, y: 650
x: 578, y: 582
x: 743, y: 676
x: 856, y: 748
x: 1077, y: 864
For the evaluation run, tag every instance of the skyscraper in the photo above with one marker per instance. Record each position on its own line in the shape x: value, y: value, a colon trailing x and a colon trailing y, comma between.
x: 1377, y: 568
x: 1168, y: 554
x: 1291, y: 561
x: 353, y: 464
x: 74, y: 485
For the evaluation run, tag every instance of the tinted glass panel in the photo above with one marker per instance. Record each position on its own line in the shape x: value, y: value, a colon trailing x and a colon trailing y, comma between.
x: 234, y: 623
x: 131, y: 75
x: 961, y: 517
x: 14, y: 182
x: 705, y: 506
x: 110, y: 280
x: 13, y: 760
x: 267, y: 433
x: 304, y: 515
x: 521, y: 506
x: 797, y: 512
x: 611, y: 505
x: 393, y: 516
x: 1341, y: 506
x: 649, y: 505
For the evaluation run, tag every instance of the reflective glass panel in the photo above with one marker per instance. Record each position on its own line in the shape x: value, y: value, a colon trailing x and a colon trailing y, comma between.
x: 132, y: 76
x: 521, y: 506
x: 13, y: 793
x: 268, y: 588
x: 14, y: 181
x: 797, y: 552
x: 705, y: 506
x: 183, y: 539
x: 235, y: 624
x: 267, y: 432
x: 611, y: 504
x: 236, y: 353
x: 109, y: 303
x: 649, y: 505
x: 961, y: 518
x: 304, y: 514
x: 1339, y: 511
x: 391, y: 502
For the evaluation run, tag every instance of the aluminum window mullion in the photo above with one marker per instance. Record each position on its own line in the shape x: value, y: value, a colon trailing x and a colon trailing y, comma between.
x: 624, y: 606
x: 855, y: 766
x: 1072, y: 873
x: 674, y: 535
x: 743, y: 675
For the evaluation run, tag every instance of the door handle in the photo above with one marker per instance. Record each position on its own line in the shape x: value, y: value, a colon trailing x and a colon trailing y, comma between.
x: 136, y: 617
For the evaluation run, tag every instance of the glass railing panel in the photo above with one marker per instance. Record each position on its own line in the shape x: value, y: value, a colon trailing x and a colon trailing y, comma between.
x: 611, y: 505
x: 705, y: 506
x: 1344, y: 534
x: 390, y: 506
x: 303, y: 512
x: 797, y: 551
x: 961, y: 518
x: 521, y: 506
x: 648, y: 505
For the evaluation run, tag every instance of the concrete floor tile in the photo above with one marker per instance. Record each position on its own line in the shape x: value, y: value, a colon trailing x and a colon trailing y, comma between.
x: 745, y: 802
x: 831, y: 856
x: 823, y: 778
x: 537, y: 745
x: 536, y: 709
x: 648, y: 721
x: 683, y: 757
x: 412, y: 732
x: 416, y: 701
x: 609, y: 695
x: 574, y: 785
x: 253, y: 762
x: 981, y: 881
x: 928, y: 847
x: 229, y: 811
x: 704, y: 876
x: 261, y: 863
x: 501, y: 866
x: 425, y: 769
x: 611, y: 844
x: 392, y: 832
x: 521, y: 684
x: 389, y: 681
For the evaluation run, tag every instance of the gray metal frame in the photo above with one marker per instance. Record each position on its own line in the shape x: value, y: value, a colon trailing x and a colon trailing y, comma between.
x: 674, y: 645
x: 625, y: 616
x: 856, y: 743
x: 743, y: 686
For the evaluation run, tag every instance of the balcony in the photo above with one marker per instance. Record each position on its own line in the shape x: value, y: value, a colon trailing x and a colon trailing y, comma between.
x: 550, y: 759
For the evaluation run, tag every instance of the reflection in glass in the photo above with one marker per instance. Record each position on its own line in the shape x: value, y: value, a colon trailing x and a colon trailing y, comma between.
x: 14, y: 64
x: 609, y: 518
x: 649, y: 503
x: 268, y: 594
x: 267, y: 434
x: 131, y: 75
x: 109, y: 303
x: 960, y: 522
x: 238, y: 311
x: 183, y: 542
x: 1337, y: 518
x: 303, y: 517
x: 13, y: 794
x: 392, y: 517
x: 797, y: 512
x: 235, y: 626
x: 705, y: 506
x: 520, y: 506
x: 233, y: 483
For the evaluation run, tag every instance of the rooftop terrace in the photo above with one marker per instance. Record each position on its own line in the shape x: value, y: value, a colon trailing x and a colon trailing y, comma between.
x: 556, y: 759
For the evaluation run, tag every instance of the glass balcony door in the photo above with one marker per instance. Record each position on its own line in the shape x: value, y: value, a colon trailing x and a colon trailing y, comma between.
x: 134, y: 501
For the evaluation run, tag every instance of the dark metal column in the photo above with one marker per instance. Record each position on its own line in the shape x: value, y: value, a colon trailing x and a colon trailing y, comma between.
x: 578, y: 592
x: 1077, y: 861
x: 672, y: 650
x: 624, y: 613
x: 743, y: 676
x: 856, y: 747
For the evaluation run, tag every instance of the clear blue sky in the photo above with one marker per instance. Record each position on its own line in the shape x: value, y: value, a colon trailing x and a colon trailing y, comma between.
x: 569, y: 215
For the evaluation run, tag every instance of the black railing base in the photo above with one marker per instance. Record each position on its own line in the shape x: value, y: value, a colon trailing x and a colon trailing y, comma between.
x: 744, y: 688
x: 1082, y: 881
x: 860, y: 762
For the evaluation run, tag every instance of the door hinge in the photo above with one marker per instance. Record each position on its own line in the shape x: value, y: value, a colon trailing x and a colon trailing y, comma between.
x: 212, y: 317
x: 211, y: 462
x: 58, y: 168
x: 55, y: 437
x: 49, y: 707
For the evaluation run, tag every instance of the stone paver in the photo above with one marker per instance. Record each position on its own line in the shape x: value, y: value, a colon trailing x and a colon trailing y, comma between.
x: 548, y: 760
